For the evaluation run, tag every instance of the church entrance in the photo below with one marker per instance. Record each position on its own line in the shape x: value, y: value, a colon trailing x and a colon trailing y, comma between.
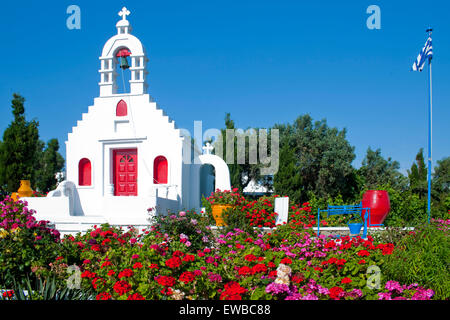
x: 207, y: 180
x: 125, y: 172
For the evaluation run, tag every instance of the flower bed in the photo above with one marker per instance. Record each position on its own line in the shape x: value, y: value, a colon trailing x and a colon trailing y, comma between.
x: 174, y: 260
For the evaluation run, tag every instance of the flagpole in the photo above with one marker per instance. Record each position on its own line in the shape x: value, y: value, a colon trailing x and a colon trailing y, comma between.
x: 430, y: 114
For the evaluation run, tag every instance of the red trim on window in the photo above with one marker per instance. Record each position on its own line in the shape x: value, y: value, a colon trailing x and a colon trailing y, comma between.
x: 84, y: 172
x: 121, y: 109
x: 160, y: 170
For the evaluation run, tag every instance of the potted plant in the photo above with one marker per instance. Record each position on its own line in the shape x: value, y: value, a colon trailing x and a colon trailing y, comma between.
x: 222, y: 200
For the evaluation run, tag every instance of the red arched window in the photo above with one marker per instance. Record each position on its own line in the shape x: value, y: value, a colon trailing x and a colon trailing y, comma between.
x: 121, y: 109
x: 160, y: 170
x: 84, y: 172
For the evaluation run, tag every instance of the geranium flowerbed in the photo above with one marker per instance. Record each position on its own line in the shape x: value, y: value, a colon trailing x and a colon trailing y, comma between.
x: 288, y: 263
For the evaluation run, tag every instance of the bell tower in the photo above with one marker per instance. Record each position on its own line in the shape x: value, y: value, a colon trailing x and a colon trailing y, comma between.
x: 121, y: 50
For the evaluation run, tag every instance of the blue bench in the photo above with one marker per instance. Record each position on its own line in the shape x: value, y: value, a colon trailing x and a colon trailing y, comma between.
x: 348, y: 209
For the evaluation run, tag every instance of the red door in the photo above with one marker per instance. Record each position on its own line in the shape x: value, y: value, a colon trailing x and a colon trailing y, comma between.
x: 125, y: 172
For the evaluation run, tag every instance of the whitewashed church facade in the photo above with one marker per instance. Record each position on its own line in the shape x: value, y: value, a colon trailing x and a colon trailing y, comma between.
x: 125, y: 155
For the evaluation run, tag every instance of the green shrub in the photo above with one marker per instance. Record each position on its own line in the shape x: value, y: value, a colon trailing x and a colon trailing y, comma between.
x: 24, y: 241
x: 46, y: 289
x: 235, y: 218
x: 188, y: 227
x: 422, y: 257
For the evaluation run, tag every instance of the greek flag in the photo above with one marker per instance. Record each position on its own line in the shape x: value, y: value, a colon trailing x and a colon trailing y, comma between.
x: 427, y: 51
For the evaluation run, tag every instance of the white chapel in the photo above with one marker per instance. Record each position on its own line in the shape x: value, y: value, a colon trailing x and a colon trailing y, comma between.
x: 125, y: 155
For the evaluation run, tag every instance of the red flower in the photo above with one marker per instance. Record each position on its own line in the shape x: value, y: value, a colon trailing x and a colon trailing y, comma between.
x: 340, y: 262
x: 174, y: 262
x: 250, y: 257
x: 166, y: 281
x: 363, y: 253
x: 111, y: 273
x: 346, y: 280
x: 59, y: 258
x: 330, y: 244
x: 153, y: 266
x: 8, y: 294
x: 95, y: 282
x: 187, y: 277
x: 103, y: 296
x: 386, y: 248
x: 332, y: 260
x: 125, y: 273
x: 297, y: 279
x: 189, y: 257
x: 318, y: 269
x: 177, y: 253
x: 88, y: 274
x: 105, y: 264
x: 166, y: 291
x: 244, y: 271
x: 361, y: 261
x: 336, y: 292
x: 286, y: 261
x: 135, y: 296
x: 95, y: 247
x: 137, y: 265
x: 232, y: 291
x: 260, y: 267
x: 121, y: 287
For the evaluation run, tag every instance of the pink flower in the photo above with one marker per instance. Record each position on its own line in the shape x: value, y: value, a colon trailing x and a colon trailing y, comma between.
x: 394, y: 285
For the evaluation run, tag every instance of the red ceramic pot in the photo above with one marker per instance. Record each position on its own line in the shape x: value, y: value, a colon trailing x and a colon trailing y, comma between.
x: 379, y: 204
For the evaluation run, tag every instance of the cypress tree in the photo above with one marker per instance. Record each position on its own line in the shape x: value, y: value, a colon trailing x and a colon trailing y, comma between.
x: 18, y: 150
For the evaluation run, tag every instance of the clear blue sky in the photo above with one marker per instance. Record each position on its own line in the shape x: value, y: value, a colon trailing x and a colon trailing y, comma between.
x: 265, y: 62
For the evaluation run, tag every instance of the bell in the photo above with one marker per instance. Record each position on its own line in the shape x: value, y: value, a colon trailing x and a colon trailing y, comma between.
x: 124, y: 62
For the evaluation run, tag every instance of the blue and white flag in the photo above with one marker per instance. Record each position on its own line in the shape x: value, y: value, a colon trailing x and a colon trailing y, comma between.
x: 427, y: 52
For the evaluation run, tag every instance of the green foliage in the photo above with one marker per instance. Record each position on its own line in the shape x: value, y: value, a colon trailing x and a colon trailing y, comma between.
x: 50, y: 162
x: 322, y: 161
x: 288, y: 178
x: 376, y: 170
x: 24, y: 242
x: 194, y: 226
x: 243, y: 168
x: 418, y: 176
x: 422, y: 256
x: 18, y: 151
x: 236, y: 219
x: 406, y: 208
x: 24, y: 157
x: 441, y: 178
x: 46, y: 289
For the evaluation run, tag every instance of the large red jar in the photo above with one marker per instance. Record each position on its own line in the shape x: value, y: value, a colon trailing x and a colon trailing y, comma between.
x: 379, y: 204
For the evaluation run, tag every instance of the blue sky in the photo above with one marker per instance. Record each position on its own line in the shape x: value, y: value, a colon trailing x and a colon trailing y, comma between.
x: 265, y: 62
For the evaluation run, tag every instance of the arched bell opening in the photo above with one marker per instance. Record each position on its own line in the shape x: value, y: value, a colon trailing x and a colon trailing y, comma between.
x: 122, y: 62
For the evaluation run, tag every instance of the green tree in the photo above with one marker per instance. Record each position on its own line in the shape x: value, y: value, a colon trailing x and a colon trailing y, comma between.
x: 50, y: 163
x: 241, y: 174
x: 441, y: 186
x: 441, y: 176
x: 288, y: 180
x: 323, y: 158
x: 18, y: 151
x: 377, y: 171
x: 418, y: 176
